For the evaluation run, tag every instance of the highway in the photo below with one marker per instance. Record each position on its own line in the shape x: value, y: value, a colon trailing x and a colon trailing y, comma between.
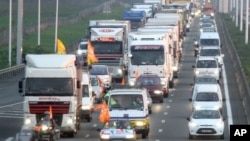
x: 168, y: 119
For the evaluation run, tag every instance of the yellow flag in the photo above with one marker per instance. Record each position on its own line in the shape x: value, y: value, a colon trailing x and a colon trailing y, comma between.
x: 91, y: 58
x: 60, y: 47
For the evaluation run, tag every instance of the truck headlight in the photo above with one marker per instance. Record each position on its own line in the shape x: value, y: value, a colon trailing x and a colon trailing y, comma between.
x: 69, y: 121
x: 119, y: 71
x: 140, y: 123
x: 27, y: 121
x: 131, y: 83
x: 79, y: 51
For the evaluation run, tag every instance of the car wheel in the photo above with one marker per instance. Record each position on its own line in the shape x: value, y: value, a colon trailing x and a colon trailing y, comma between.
x: 222, y: 136
x: 150, y: 111
x: 190, y: 136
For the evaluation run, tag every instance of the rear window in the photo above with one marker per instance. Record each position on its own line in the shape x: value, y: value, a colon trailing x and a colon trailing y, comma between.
x: 149, y: 81
x: 99, y: 71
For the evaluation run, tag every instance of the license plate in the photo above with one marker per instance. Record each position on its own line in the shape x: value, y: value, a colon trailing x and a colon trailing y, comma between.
x: 206, y: 131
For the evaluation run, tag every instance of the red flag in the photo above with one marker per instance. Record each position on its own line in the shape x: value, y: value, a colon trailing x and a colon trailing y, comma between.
x: 123, y: 81
x: 91, y: 58
x: 50, y: 112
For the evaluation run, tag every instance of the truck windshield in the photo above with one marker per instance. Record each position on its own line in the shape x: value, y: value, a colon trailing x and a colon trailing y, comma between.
x: 209, y: 42
x: 49, y: 87
x: 108, y: 47
x: 126, y: 101
x: 147, y: 55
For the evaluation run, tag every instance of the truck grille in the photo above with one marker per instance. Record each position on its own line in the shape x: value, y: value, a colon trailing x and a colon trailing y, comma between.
x: 57, y: 107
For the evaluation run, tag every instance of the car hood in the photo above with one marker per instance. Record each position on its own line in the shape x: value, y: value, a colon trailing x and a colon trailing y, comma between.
x: 152, y: 87
x: 206, y: 122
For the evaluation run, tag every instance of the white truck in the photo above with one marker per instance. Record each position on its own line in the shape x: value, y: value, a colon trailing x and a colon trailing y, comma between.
x: 108, y: 37
x: 52, y: 82
x: 144, y: 51
x: 161, y: 24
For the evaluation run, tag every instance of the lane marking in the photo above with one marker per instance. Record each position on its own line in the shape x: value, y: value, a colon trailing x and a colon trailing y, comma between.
x: 160, y: 130
x: 165, y: 113
x: 9, y: 139
x: 87, y: 135
x: 163, y: 121
x: 228, y: 104
x: 167, y: 106
x: 11, y: 105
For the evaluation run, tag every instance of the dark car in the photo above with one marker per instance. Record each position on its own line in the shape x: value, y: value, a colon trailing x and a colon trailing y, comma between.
x: 152, y: 83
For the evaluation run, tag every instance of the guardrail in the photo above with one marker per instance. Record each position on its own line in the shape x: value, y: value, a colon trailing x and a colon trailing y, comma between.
x: 242, y: 83
x: 11, y: 71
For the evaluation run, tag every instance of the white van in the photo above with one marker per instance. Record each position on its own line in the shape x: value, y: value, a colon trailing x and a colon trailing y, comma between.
x: 82, y: 47
x: 88, y: 97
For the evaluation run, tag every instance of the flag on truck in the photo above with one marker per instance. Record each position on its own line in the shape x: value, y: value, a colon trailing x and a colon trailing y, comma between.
x: 91, y: 58
x: 60, y: 47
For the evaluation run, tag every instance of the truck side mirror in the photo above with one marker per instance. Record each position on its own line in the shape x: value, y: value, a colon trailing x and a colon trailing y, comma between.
x: 20, y: 86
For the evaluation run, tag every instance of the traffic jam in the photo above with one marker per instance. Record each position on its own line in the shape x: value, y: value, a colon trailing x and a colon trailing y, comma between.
x: 129, y: 65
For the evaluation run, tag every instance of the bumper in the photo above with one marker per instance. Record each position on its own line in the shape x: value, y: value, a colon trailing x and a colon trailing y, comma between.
x: 157, y: 97
x: 206, y: 131
x: 66, y: 130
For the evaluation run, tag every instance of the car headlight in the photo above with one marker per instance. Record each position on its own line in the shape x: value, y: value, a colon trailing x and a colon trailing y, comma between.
x: 79, y: 51
x: 131, y: 83
x: 201, y: 30
x: 219, y: 124
x: 197, y: 72
x: 140, y: 123
x: 216, y: 72
x: 193, y: 124
x: 130, y: 136
x: 27, y: 121
x: 86, y: 107
x: 157, y: 92
x: 105, y: 136
x: 196, y: 42
x: 187, y: 26
x: 216, y: 107
x: 197, y: 107
x: 212, y: 14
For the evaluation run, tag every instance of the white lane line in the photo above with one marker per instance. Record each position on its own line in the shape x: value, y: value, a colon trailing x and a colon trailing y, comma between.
x: 170, y: 100
x: 167, y: 106
x: 11, y: 105
x: 87, y: 135
x: 160, y: 130
x: 228, y: 104
x: 9, y: 139
x: 163, y: 121
x: 165, y: 113
x: 94, y: 125
x: 17, y: 117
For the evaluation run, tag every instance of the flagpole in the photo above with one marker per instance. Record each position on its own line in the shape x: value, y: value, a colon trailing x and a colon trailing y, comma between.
x: 38, y: 28
x: 56, y: 25
x: 10, y: 31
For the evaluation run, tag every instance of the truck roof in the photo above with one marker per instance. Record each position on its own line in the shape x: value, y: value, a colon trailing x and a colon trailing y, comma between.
x: 209, y: 35
x: 50, y: 60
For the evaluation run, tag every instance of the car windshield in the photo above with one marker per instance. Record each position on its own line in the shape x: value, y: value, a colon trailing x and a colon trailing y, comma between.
x: 205, y: 96
x: 209, y: 80
x: 209, y: 52
x: 149, y: 81
x: 94, y: 81
x: 126, y: 101
x: 85, y: 91
x: 206, y: 64
x: 209, y: 42
x: 95, y: 70
x: 206, y: 114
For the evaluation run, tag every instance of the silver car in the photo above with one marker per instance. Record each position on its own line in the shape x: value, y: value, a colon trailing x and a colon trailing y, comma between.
x: 97, y: 88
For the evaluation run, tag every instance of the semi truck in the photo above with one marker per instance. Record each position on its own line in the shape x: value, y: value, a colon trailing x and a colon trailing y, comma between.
x: 137, y: 18
x: 52, y: 82
x: 109, y: 38
x: 145, y: 48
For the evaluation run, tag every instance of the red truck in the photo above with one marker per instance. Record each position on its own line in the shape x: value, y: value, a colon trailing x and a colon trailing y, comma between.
x: 208, y: 9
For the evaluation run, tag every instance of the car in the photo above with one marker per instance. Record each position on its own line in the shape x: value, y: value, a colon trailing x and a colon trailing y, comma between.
x: 130, y: 102
x: 208, y: 29
x: 82, y: 47
x: 207, y: 95
x: 117, y: 129
x: 25, y: 134
x: 103, y: 73
x: 150, y: 102
x: 152, y: 83
x: 212, y: 51
x: 208, y: 66
x: 206, y: 122
x: 97, y: 88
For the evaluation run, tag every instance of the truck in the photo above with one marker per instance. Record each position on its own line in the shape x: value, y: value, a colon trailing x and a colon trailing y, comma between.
x: 137, y: 18
x: 52, y: 82
x: 208, y: 9
x: 173, y: 23
x: 144, y: 50
x: 108, y: 37
x: 173, y: 43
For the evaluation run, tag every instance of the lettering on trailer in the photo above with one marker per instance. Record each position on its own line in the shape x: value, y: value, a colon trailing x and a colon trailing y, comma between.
x: 48, y: 99
x: 106, y: 30
x: 147, y: 47
x: 238, y: 132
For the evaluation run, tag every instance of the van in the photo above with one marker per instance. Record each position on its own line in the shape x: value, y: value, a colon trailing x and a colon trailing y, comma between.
x: 82, y: 48
x: 88, y: 98
x: 131, y: 103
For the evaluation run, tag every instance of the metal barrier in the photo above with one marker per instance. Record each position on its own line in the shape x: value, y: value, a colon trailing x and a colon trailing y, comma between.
x: 12, y: 71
